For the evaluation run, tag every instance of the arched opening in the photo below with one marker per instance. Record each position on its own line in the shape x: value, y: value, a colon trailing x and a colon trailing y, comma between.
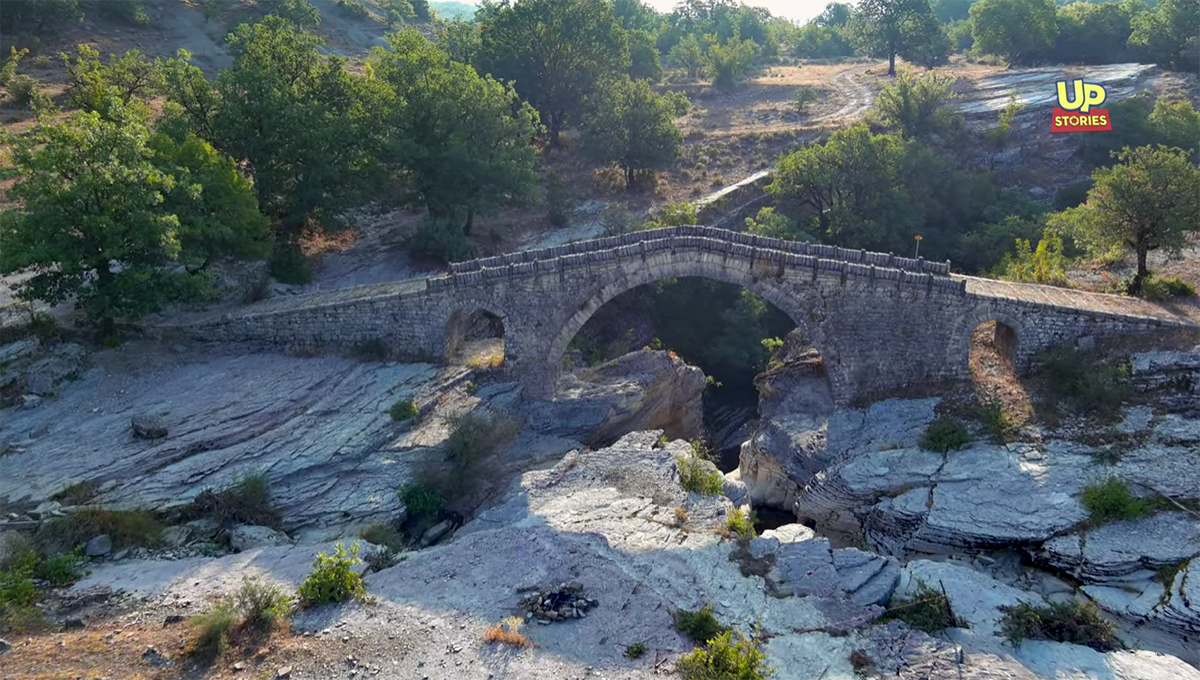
x: 753, y: 351
x: 993, y: 361
x: 475, y: 339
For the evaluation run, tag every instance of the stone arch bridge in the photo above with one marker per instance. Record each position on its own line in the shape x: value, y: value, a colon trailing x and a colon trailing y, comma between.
x: 880, y: 322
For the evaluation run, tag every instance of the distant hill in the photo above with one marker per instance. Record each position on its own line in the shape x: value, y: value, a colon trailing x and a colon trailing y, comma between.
x: 451, y: 10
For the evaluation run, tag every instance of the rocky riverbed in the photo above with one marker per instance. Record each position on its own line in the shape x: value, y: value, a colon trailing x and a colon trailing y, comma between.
x: 1009, y: 510
x: 586, y: 505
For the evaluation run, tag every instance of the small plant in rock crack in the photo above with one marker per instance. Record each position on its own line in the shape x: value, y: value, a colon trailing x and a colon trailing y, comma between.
x: 698, y: 475
x: 1076, y: 622
x: 925, y: 609
x: 699, y: 626
x: 635, y: 651
x: 944, y: 434
x: 740, y: 524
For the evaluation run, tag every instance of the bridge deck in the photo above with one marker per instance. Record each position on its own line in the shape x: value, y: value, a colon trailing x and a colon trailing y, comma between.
x: 1066, y: 298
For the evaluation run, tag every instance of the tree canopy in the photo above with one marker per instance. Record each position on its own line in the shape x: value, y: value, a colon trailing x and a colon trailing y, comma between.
x: 458, y: 143
x: 555, y: 51
x: 1147, y: 201
x: 1022, y: 31
x: 106, y: 205
x: 629, y: 124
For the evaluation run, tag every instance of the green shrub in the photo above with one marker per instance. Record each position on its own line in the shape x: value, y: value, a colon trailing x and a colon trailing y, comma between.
x: 25, y: 92
x: 333, y: 578
x: 440, y: 241
x: 246, y: 502
x: 132, y: 13
x: 1164, y: 290
x: 740, y: 524
x: 926, y: 609
x: 351, y: 8
x: 1075, y: 622
x: 944, y: 434
x: 699, y: 626
x: 16, y: 583
x: 1083, y: 382
x: 288, y: 265
x: 210, y: 630
x: 403, y: 410
x: 386, y: 534
x: 1110, y: 500
x: 635, y: 651
x: 8, y: 70
x: 476, y: 437
x: 421, y: 500
x: 61, y: 570
x: 698, y: 475
x: 126, y: 528
x: 262, y: 605
x: 995, y: 419
x: 725, y: 657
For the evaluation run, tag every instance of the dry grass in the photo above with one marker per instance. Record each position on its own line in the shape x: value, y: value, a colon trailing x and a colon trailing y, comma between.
x: 507, y: 632
x: 487, y: 353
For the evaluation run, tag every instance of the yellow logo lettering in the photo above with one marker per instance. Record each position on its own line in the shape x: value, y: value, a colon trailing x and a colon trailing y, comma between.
x: 1083, y: 96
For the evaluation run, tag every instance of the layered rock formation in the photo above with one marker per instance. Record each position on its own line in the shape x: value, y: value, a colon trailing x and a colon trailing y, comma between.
x: 319, y: 428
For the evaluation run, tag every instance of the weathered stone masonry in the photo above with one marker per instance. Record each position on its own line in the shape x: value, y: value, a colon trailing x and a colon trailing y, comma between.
x: 881, y: 322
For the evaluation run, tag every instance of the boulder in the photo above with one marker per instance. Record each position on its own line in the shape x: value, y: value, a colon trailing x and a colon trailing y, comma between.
x: 249, y: 536
x: 99, y: 546
x: 435, y: 533
x: 204, y: 528
x: 639, y: 391
x: 176, y: 536
x: 18, y: 349
x: 149, y: 426
x: 804, y: 565
x: 734, y: 488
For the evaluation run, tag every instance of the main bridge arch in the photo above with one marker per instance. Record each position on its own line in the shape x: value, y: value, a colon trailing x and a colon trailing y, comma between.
x: 758, y: 280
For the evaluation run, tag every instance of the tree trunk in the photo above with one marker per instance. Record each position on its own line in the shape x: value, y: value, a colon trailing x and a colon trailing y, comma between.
x: 628, y: 178
x: 470, y: 221
x: 555, y: 125
x: 891, y: 63
x: 1135, y: 286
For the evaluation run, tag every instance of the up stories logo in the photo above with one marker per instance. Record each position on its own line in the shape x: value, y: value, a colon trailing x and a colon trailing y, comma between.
x: 1076, y: 110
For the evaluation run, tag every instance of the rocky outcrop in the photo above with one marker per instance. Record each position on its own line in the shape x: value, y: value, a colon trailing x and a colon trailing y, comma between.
x: 1119, y: 550
x: 31, y: 369
x: 639, y: 391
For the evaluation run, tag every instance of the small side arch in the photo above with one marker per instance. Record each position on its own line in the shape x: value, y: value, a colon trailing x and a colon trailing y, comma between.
x: 998, y: 330
x: 476, y: 325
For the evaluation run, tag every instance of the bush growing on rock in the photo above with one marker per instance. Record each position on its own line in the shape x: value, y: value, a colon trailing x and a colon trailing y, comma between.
x: 635, y: 651
x: 262, y: 605
x: 1076, y: 622
x: 421, y: 500
x: 698, y: 475
x: 387, y: 535
x: 740, y: 524
x: 333, y: 578
x: 944, y: 434
x: 725, y: 657
x: 926, y: 609
x: 126, y: 528
x: 1083, y: 382
x: 1166, y: 289
x: 699, y: 626
x: 403, y: 410
x: 1111, y: 500
x: 246, y: 502
x: 210, y: 630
